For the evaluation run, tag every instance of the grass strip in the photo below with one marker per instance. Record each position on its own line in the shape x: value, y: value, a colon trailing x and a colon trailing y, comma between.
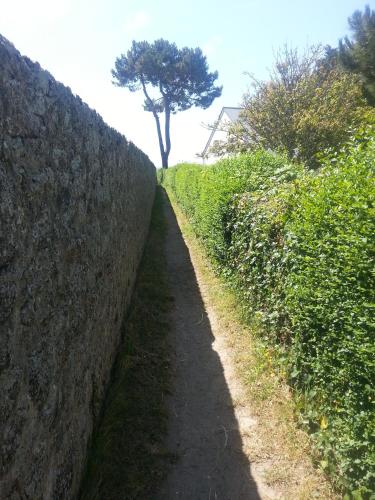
x: 128, y: 459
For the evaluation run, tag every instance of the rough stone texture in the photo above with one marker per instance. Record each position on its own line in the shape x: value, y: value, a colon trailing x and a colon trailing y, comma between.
x: 75, y: 202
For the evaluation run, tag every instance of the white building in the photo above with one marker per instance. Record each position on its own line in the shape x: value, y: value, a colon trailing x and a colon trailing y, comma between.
x: 227, y: 116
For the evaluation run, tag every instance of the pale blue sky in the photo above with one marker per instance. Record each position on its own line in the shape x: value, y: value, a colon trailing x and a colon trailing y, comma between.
x: 78, y: 41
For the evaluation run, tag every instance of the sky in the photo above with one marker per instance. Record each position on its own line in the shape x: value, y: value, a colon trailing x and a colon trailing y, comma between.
x: 78, y: 42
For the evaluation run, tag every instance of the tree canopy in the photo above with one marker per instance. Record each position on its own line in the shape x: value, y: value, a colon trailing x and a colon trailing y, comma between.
x: 308, y: 104
x: 171, y: 79
x: 358, y: 55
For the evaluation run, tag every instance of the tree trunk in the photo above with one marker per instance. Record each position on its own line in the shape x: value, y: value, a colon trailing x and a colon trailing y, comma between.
x: 163, y: 153
x: 167, y: 130
x: 164, y: 160
x: 164, y: 156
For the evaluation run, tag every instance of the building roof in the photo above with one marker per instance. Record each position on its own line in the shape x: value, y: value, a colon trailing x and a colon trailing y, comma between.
x: 233, y: 115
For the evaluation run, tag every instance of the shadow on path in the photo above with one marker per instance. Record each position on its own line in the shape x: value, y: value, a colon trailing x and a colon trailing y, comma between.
x: 203, y: 430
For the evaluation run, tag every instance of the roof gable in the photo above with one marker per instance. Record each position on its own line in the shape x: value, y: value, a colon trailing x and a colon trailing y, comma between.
x: 227, y: 113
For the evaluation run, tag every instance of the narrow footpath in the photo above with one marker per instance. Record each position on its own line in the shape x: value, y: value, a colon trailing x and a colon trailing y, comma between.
x: 206, y: 430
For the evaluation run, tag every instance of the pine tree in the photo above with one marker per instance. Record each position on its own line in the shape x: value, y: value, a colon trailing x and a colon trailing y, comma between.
x: 179, y: 76
x: 358, y: 55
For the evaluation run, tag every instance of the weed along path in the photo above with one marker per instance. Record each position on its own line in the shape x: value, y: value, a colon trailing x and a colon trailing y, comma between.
x: 206, y: 431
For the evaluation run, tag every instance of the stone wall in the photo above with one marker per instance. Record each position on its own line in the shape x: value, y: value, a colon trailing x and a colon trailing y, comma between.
x: 75, y: 203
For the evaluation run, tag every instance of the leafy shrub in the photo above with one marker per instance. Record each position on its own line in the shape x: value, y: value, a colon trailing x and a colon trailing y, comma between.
x: 299, y: 248
x: 330, y: 303
x: 207, y: 193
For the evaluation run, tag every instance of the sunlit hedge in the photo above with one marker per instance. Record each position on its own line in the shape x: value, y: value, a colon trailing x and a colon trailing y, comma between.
x: 300, y: 249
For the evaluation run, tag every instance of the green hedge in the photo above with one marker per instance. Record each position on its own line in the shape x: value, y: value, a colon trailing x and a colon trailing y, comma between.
x: 299, y: 247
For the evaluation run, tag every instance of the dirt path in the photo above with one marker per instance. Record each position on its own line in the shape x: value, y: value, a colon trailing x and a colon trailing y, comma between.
x: 206, y: 431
